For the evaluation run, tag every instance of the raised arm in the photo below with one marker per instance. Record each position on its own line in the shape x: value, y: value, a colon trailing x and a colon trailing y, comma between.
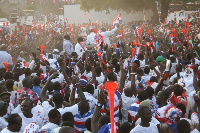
x: 152, y: 66
x: 195, y: 84
x: 196, y: 109
x: 93, y: 80
x: 62, y: 64
x: 109, y: 33
x: 72, y: 96
x: 133, y: 73
x: 146, y: 56
x: 82, y: 96
x: 122, y: 76
x: 44, y: 89
x: 97, y: 112
x: 160, y: 85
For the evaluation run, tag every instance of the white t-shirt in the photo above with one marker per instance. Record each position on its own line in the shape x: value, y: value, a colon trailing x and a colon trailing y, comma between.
x: 153, y: 120
x: 12, y: 96
x: 73, y: 109
x: 91, y: 39
x: 146, y: 78
x: 195, y: 131
x: 142, y: 63
x: 9, y: 110
x: 27, y: 121
x: 89, y: 76
x: 55, y: 130
x: 91, y: 100
x: 126, y: 103
x: 174, y: 76
x: 3, y: 123
x: 5, y: 130
x: 101, y: 78
x: 153, y: 105
x: 79, y: 50
x: 139, y: 129
x: 5, y: 57
x: 107, y: 34
x: 50, y: 126
x: 37, y: 110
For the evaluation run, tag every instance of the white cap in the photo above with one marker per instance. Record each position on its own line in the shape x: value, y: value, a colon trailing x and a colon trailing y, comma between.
x: 55, y: 50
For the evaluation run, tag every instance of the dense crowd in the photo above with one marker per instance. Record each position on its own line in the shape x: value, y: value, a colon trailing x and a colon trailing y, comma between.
x: 53, y: 76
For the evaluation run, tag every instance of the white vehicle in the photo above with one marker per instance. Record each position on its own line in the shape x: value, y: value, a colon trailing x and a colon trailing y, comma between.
x: 4, y: 20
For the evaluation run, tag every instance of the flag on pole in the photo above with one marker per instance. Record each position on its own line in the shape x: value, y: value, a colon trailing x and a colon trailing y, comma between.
x: 118, y: 35
x: 117, y: 20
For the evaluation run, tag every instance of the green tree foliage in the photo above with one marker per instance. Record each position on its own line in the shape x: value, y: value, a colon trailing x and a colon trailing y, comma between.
x: 130, y: 6
x: 32, y: 7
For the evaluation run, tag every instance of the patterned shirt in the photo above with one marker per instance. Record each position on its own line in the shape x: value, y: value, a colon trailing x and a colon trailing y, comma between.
x: 32, y: 95
x: 117, y: 104
x: 79, y: 121
x: 133, y: 110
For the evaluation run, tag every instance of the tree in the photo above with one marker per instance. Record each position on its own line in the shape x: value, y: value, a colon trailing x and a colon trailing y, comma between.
x: 130, y: 6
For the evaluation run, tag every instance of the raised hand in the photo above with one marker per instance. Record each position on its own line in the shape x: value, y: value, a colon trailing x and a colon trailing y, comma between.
x: 101, y: 97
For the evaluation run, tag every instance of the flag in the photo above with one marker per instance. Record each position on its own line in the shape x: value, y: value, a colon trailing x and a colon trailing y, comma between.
x: 117, y: 20
x: 25, y: 64
x: 135, y: 31
x: 83, y: 46
x: 118, y: 35
x: 137, y: 51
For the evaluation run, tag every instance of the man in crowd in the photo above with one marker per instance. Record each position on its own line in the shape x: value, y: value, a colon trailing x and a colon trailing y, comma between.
x: 67, y: 45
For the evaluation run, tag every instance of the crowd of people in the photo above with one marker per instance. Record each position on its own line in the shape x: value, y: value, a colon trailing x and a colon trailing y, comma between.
x: 52, y: 78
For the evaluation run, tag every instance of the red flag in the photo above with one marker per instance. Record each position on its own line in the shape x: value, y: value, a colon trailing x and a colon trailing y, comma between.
x: 6, y: 66
x: 25, y: 64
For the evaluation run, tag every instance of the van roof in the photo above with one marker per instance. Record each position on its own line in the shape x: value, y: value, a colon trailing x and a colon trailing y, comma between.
x: 3, y: 20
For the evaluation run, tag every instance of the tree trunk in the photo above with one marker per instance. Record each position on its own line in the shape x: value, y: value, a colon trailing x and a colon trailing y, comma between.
x: 164, y: 9
x: 155, y: 17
